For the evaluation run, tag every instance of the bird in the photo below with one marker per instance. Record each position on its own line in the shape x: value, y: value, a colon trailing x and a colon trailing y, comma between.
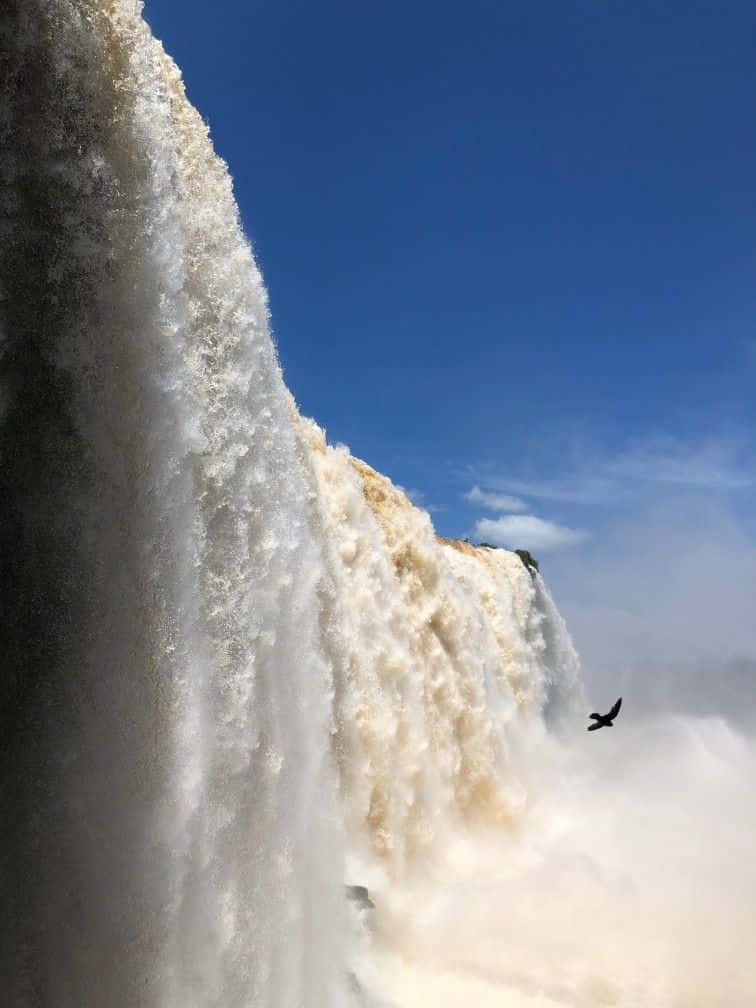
x: 605, y: 720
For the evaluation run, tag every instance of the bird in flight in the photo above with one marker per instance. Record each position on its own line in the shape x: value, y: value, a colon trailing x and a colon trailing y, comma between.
x: 605, y: 720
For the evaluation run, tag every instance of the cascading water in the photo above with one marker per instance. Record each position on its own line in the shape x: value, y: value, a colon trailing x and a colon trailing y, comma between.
x: 168, y: 802
x: 442, y: 660
x: 239, y: 670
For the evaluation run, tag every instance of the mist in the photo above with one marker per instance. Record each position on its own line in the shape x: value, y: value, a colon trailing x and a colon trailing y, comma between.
x: 661, y: 609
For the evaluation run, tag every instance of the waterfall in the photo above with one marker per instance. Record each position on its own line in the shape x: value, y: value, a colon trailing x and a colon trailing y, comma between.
x: 240, y: 671
x: 446, y: 654
x: 168, y: 795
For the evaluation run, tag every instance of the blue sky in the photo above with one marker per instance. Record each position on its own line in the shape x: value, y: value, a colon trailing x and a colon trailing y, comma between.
x: 510, y: 252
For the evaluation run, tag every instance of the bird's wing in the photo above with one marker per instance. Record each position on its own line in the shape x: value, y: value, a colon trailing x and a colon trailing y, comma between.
x: 593, y: 727
x: 615, y: 710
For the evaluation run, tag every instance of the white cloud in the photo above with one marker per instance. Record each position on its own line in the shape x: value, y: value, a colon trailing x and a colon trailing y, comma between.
x: 642, y: 470
x: 527, y: 532
x: 494, y: 501
x: 577, y: 488
x: 712, y: 464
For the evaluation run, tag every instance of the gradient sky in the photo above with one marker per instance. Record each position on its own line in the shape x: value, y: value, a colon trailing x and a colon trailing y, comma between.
x: 510, y: 252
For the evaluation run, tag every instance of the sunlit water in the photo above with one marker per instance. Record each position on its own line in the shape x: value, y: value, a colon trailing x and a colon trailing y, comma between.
x: 239, y: 669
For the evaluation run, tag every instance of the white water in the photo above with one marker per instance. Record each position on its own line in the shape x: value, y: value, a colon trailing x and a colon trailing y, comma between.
x: 240, y: 669
x: 179, y: 700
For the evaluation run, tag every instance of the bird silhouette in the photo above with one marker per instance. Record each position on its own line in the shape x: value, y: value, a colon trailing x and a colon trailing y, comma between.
x: 605, y: 720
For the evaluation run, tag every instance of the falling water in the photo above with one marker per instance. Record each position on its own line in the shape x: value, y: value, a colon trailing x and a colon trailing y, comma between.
x: 239, y: 670
x: 166, y: 781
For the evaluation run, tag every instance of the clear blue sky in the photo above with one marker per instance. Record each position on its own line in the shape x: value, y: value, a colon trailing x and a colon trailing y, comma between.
x: 510, y: 246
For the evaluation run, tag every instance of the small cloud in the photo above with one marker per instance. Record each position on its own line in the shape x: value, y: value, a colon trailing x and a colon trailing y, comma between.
x: 527, y: 532
x: 494, y: 501
x: 655, y: 465
x: 575, y: 489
